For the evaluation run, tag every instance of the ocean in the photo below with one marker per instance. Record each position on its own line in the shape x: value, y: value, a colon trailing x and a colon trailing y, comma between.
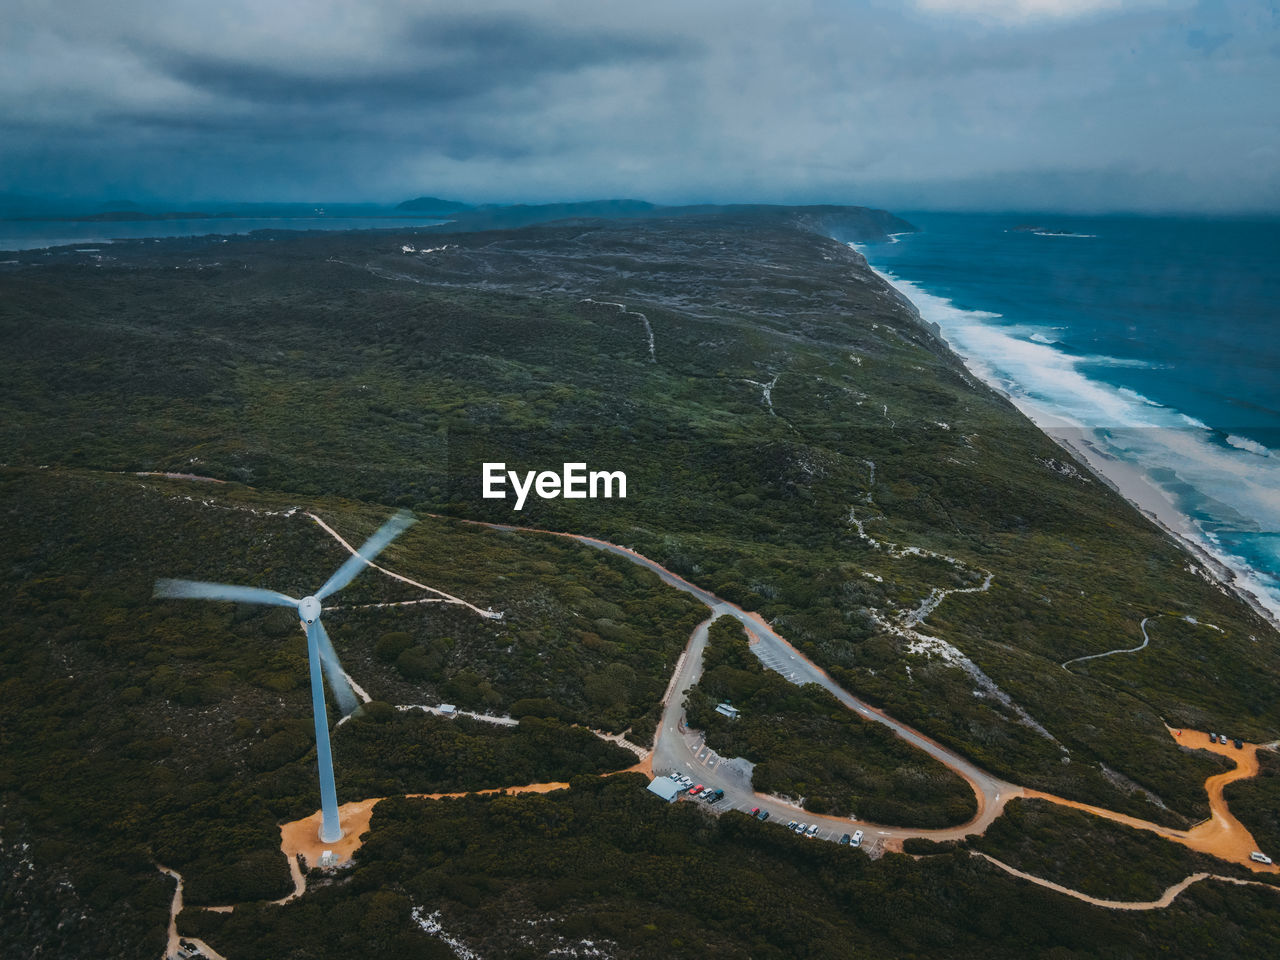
x: 38, y: 234
x: 1151, y: 343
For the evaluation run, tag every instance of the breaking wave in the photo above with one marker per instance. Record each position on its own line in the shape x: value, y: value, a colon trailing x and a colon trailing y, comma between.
x: 1225, y: 487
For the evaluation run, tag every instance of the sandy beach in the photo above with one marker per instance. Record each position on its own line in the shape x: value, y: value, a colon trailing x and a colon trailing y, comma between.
x: 1126, y: 478
x: 1129, y: 481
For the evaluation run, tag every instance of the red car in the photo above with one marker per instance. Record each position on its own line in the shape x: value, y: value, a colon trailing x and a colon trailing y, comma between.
x: 696, y: 790
x: 755, y: 811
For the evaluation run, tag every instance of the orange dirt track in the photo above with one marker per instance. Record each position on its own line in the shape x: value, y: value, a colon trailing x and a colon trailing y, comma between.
x: 302, y: 837
x: 1221, y: 835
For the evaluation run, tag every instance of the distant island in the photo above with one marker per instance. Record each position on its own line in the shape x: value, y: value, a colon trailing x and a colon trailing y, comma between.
x: 1045, y: 231
x: 1032, y: 228
x: 432, y: 205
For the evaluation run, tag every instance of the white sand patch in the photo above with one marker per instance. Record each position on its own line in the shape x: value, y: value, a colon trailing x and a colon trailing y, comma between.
x: 924, y: 645
x: 502, y: 721
x: 430, y: 923
x: 648, y: 328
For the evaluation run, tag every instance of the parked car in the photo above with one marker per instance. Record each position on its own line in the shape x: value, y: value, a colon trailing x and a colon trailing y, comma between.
x: 762, y: 816
x: 696, y: 790
x: 857, y: 839
x: 1259, y: 857
x: 754, y: 811
x: 1213, y: 738
x: 844, y: 840
x: 1239, y: 744
x: 715, y: 797
x: 812, y: 831
x: 791, y: 824
x: 800, y: 827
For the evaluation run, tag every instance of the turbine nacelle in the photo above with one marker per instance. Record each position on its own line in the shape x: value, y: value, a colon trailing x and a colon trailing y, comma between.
x: 309, y: 609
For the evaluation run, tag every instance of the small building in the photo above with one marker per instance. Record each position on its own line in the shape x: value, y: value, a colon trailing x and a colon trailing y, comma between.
x: 448, y: 710
x: 666, y: 788
x: 328, y: 859
x: 725, y: 710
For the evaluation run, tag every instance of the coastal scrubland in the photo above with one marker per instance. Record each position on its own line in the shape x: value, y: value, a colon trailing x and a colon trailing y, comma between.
x: 808, y: 746
x: 139, y: 731
x: 341, y: 366
x: 795, y: 440
x: 602, y: 866
x: 1094, y: 856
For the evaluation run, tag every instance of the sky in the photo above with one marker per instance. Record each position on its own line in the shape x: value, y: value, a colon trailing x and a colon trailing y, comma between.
x: 1072, y: 105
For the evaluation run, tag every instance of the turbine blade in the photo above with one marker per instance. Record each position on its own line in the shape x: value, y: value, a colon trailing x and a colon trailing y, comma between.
x: 397, y: 525
x: 203, y: 590
x: 333, y: 671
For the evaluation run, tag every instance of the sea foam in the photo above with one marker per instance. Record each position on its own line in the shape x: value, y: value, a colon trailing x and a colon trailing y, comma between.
x: 1244, y: 443
x: 1226, y: 495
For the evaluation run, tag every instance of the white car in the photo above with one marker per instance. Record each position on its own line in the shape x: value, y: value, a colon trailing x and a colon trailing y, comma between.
x: 799, y: 828
x: 857, y: 839
x: 812, y: 831
x: 1259, y: 857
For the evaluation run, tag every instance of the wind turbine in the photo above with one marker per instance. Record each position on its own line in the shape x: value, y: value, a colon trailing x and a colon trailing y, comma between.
x: 319, y: 647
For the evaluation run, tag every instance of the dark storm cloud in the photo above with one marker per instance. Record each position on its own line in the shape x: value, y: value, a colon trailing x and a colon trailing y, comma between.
x: 434, y: 59
x: 1099, y: 104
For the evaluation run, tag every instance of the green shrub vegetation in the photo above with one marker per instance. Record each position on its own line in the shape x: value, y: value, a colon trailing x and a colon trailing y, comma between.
x: 604, y: 862
x: 920, y: 847
x: 336, y: 374
x: 806, y: 744
x: 139, y: 731
x: 337, y: 365
x: 1091, y: 854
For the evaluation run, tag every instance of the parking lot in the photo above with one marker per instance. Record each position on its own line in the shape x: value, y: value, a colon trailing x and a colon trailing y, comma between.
x: 680, y: 749
x: 780, y: 661
x: 705, y: 760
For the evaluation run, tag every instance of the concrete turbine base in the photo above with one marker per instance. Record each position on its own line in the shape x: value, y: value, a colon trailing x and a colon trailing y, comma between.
x: 304, y: 837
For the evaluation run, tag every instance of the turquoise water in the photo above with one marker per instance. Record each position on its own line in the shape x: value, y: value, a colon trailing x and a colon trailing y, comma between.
x: 1160, y: 338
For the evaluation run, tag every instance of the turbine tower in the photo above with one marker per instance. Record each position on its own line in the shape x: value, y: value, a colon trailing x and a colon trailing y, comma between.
x: 320, y: 653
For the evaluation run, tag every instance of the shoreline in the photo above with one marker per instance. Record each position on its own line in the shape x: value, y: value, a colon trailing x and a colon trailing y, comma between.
x: 1126, y: 479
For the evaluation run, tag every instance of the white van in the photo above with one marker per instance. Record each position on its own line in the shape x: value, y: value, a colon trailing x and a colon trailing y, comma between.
x: 1258, y: 857
x: 857, y: 839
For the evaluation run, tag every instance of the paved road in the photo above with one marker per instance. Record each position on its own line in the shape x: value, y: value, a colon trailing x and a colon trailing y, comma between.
x: 681, y: 750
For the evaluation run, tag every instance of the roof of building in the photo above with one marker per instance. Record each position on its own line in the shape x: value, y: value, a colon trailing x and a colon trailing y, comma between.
x: 665, y: 787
